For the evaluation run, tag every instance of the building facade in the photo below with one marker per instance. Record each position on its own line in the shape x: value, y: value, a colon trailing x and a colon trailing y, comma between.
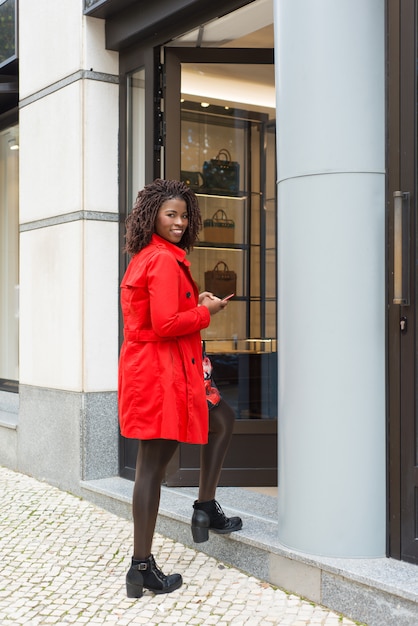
x: 309, y: 107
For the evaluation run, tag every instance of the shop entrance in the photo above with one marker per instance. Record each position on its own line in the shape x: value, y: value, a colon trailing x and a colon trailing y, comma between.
x: 206, y: 114
x: 402, y: 279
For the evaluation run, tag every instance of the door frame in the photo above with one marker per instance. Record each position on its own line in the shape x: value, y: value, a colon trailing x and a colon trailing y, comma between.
x: 162, y: 140
x: 401, y: 366
x: 147, y: 58
x: 173, y: 59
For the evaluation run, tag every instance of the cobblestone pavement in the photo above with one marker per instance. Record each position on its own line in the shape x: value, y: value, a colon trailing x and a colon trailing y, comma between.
x: 64, y: 560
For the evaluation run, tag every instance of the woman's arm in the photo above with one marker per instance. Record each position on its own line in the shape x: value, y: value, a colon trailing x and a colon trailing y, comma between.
x: 164, y: 276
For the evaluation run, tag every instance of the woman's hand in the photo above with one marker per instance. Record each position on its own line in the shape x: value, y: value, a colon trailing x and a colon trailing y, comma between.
x: 213, y: 303
x: 205, y: 294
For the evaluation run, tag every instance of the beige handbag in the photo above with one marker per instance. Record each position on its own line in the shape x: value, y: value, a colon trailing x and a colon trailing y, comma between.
x: 219, y: 229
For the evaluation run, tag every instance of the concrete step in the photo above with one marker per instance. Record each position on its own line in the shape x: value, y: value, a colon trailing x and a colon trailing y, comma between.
x: 377, y: 592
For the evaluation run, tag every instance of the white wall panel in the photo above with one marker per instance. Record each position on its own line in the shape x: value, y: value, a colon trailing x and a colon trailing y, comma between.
x: 56, y: 40
x: 51, y: 155
x: 100, y: 309
x: 51, y: 318
x: 50, y: 42
x: 95, y: 56
x: 100, y: 129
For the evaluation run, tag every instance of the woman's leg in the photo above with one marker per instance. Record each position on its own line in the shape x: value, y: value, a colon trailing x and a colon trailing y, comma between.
x: 212, y: 455
x: 207, y: 512
x: 152, y: 460
x: 151, y: 464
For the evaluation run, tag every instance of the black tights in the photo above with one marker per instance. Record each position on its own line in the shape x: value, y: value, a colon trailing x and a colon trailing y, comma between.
x: 153, y: 458
x: 212, y: 455
x: 151, y: 463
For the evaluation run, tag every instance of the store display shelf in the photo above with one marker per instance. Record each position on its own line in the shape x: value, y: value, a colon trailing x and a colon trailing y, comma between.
x: 217, y: 246
x: 240, y: 196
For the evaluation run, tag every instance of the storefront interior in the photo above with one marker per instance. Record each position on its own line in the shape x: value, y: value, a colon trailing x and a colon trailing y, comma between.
x: 215, y: 129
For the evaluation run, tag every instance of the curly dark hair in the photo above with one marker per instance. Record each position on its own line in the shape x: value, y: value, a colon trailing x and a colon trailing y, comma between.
x: 140, y: 223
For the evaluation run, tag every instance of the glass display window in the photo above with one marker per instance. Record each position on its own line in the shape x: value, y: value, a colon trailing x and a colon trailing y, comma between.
x: 228, y: 159
x: 9, y: 256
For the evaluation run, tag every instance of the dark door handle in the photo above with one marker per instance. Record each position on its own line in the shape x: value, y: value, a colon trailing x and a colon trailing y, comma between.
x: 401, y: 247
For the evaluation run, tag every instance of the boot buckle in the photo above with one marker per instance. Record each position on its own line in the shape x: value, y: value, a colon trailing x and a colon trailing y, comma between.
x: 142, y: 566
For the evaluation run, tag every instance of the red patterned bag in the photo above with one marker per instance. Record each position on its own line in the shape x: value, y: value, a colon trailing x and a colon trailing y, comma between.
x: 213, y: 395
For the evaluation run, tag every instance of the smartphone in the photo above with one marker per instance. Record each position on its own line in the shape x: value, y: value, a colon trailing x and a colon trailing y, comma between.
x: 228, y: 297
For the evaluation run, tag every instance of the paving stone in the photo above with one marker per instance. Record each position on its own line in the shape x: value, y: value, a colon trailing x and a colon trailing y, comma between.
x: 64, y: 561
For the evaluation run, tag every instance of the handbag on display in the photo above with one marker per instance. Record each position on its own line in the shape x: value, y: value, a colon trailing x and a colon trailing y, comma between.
x: 219, y: 229
x: 221, y: 175
x: 194, y: 180
x: 221, y: 282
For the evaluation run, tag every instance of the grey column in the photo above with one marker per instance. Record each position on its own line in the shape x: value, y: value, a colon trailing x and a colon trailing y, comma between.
x: 330, y: 68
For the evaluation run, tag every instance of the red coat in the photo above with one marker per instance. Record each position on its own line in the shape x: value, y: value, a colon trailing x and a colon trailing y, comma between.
x: 161, y: 389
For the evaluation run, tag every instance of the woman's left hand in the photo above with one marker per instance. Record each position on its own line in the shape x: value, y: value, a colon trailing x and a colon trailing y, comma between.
x: 213, y: 303
x: 205, y: 294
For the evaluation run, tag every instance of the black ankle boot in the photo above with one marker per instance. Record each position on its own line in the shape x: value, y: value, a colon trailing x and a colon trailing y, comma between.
x: 147, y: 574
x: 209, y: 515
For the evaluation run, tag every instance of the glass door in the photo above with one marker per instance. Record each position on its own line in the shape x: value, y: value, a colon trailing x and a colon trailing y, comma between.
x: 402, y: 279
x: 220, y: 139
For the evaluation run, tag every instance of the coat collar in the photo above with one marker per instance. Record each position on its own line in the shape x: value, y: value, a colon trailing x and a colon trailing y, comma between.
x: 179, y: 253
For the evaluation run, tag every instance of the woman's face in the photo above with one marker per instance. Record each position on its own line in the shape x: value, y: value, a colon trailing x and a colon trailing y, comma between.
x: 172, y: 220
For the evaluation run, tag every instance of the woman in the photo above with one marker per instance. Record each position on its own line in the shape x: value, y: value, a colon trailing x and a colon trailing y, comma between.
x: 162, y: 398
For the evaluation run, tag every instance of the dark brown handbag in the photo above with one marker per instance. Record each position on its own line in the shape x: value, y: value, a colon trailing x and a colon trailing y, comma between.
x: 221, y: 282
